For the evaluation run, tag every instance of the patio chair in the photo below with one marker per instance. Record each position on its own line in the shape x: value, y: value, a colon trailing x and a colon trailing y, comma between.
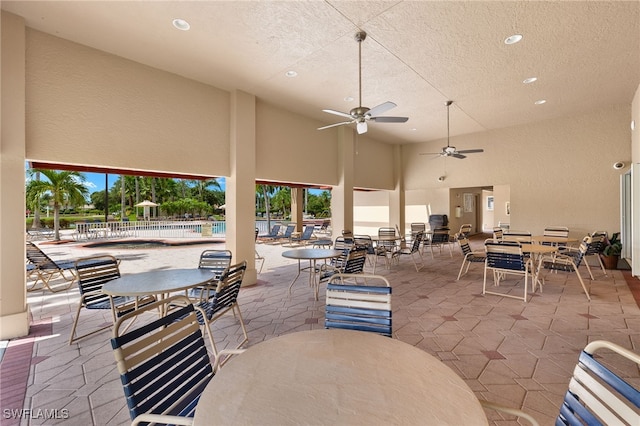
x: 413, y: 251
x: 217, y: 261
x: 596, y: 246
x: 498, y: 233
x: 225, y: 298
x: 506, y: 259
x: 304, y: 238
x: 465, y: 230
x: 45, y: 269
x: 359, y: 307
x: 596, y: 394
x: 567, y: 261
x: 93, y: 272
x: 341, y: 243
x: 469, y: 256
x: 366, y: 242
x: 440, y: 238
x: 351, y: 263
x: 164, y: 365
x: 385, y: 247
x: 275, y: 231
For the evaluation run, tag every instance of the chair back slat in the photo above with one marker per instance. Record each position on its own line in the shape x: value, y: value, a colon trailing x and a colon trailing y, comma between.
x: 228, y: 288
x: 216, y: 261
x: 440, y: 235
x: 356, y: 259
x: 596, y: 395
x: 358, y: 307
x: 505, y: 257
x: 464, y: 245
x: 342, y: 243
x: 364, y: 241
x: 93, y: 272
x: 164, y: 365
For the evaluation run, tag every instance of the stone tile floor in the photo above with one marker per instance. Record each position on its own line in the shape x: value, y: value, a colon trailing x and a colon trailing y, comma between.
x: 518, y: 354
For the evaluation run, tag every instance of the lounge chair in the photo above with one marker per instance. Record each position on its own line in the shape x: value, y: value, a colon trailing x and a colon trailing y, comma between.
x: 290, y: 229
x: 45, y: 269
x: 275, y: 231
x: 305, y: 237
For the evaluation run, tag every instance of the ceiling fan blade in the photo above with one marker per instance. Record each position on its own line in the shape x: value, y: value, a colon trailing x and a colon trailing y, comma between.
x: 334, y: 112
x: 334, y: 125
x: 430, y: 153
x: 386, y: 119
x: 380, y: 109
x: 361, y: 127
x: 470, y: 151
x: 458, y: 155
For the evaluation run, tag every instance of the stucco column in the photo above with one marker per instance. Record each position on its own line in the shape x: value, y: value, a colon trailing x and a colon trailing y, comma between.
x: 342, y: 194
x: 396, y: 197
x: 241, y: 184
x: 296, y: 208
x: 14, y: 318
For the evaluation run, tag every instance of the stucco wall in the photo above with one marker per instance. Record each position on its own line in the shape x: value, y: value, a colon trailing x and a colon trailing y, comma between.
x: 559, y: 171
x: 85, y: 106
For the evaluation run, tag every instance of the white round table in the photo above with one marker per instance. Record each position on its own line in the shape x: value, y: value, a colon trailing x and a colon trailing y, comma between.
x: 312, y: 255
x: 336, y: 377
x: 157, y: 282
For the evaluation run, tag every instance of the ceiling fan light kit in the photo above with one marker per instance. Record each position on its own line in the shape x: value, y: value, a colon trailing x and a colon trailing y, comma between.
x: 361, y: 114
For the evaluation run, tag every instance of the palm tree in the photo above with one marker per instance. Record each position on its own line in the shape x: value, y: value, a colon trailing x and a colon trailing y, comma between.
x: 35, y: 206
x: 63, y: 187
x: 266, y: 191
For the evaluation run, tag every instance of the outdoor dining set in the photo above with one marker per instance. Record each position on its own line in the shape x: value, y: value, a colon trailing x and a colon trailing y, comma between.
x: 173, y: 372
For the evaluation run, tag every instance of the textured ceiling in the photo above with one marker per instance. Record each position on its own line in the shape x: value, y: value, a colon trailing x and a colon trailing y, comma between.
x: 418, y: 54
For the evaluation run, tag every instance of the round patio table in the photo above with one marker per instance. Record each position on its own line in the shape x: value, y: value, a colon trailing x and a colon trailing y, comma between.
x: 157, y: 282
x: 312, y: 255
x: 337, y: 377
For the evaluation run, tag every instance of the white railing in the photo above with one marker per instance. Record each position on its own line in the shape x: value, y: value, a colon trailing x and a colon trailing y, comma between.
x: 150, y: 229
x: 157, y: 229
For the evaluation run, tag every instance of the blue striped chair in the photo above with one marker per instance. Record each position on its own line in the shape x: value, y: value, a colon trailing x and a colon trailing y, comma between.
x: 503, y: 259
x: 598, y: 396
x: 358, y: 307
x: 164, y: 365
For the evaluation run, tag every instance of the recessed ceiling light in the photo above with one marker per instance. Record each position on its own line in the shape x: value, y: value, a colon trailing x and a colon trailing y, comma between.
x: 291, y: 73
x: 349, y: 99
x: 540, y: 102
x: 530, y: 80
x: 633, y: 125
x: 181, y: 24
x: 413, y: 129
x: 513, y: 39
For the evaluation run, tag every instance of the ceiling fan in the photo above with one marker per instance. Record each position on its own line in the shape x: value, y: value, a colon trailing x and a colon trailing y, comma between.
x: 361, y: 115
x: 450, y: 151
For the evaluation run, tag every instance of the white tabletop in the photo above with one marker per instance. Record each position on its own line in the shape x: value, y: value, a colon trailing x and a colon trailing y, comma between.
x: 157, y: 282
x: 337, y: 377
x: 538, y: 248
x: 311, y: 254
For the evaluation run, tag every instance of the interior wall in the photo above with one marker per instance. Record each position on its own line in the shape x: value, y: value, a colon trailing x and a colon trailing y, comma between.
x: 555, y: 169
x: 457, y: 199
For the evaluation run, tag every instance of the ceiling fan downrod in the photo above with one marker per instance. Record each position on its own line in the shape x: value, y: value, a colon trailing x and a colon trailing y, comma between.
x: 360, y: 37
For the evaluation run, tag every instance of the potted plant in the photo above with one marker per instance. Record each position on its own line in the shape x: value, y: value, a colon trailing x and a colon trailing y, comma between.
x: 611, y: 253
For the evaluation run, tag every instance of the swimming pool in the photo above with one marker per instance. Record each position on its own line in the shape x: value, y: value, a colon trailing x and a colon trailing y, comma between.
x: 148, y: 244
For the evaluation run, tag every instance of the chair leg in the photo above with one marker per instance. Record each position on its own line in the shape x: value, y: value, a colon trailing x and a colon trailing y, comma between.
x: 73, y: 338
x: 462, y: 267
x: 584, y: 287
